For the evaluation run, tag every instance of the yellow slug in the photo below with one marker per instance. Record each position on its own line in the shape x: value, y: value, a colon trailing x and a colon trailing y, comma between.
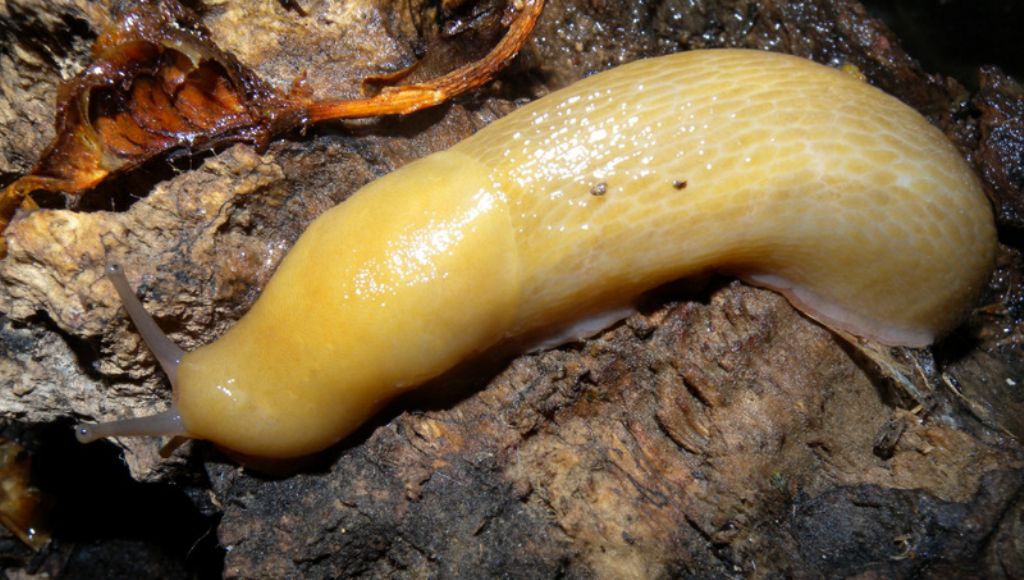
x: 783, y: 172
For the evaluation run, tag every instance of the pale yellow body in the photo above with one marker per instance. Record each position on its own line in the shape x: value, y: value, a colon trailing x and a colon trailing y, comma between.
x: 773, y: 168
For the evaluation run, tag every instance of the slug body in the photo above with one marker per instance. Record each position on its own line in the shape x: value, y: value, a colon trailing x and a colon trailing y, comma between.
x: 786, y: 173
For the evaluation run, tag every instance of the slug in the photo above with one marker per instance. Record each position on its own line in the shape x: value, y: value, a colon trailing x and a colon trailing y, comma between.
x: 783, y: 172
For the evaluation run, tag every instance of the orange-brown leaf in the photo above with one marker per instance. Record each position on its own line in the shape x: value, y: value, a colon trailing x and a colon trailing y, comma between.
x: 158, y: 82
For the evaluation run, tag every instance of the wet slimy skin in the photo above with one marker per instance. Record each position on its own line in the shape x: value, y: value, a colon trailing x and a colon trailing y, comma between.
x: 786, y: 173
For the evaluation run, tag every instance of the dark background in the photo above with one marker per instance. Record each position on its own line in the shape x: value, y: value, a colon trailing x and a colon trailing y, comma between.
x: 954, y: 37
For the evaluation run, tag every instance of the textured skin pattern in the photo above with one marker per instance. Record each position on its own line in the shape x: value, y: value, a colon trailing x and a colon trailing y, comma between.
x: 776, y: 169
x: 798, y: 177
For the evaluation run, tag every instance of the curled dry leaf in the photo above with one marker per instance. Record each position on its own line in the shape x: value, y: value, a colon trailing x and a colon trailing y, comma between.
x: 158, y: 82
x: 22, y: 506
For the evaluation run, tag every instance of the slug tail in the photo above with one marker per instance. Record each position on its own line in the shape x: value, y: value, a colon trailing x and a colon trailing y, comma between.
x: 167, y: 353
x: 166, y: 423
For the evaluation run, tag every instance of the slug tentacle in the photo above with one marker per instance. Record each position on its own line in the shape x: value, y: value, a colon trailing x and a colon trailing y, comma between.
x: 159, y: 425
x: 167, y: 353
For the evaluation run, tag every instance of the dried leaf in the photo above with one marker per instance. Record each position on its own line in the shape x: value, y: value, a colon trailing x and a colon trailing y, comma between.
x: 158, y: 82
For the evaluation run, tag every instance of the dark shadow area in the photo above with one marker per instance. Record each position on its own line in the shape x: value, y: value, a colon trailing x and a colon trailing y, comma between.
x: 955, y: 37
x: 106, y: 525
x: 121, y: 191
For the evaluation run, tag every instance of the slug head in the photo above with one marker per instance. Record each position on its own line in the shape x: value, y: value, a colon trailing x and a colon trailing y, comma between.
x: 411, y: 275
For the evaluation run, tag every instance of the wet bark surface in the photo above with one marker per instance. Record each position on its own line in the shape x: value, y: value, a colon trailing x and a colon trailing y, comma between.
x: 717, y: 432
